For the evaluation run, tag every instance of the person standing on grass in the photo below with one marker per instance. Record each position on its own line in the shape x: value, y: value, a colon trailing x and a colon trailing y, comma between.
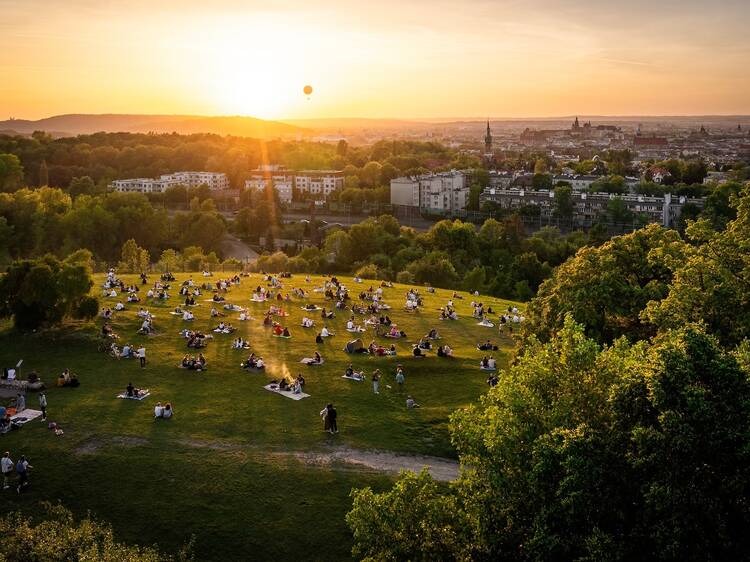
x: 376, y: 381
x: 6, y: 464
x: 141, y: 353
x: 22, y: 469
x: 400, y: 378
x: 43, y: 405
x: 331, y: 417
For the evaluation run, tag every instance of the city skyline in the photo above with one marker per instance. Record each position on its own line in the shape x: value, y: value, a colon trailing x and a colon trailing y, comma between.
x: 409, y: 60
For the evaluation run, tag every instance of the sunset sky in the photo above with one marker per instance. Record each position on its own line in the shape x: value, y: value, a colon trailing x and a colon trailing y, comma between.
x: 390, y: 58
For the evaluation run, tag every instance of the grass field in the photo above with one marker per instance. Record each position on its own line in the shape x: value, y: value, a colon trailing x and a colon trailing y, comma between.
x: 229, y: 467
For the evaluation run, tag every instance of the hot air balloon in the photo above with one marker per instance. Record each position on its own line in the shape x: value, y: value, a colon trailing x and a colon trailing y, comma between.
x: 308, y: 90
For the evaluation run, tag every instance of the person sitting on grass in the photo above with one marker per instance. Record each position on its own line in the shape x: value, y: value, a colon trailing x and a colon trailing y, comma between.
x: 267, y: 320
x: 325, y: 333
x: 417, y: 351
x: 253, y: 362
x: 352, y: 374
x: 424, y: 343
x: 131, y: 391
x: 433, y: 334
x: 315, y: 360
x: 486, y: 346
x: 307, y: 322
x: 168, y: 411
x: 410, y: 403
x: 283, y: 385
x: 327, y: 315
x: 285, y: 333
x: 444, y: 351
x: 492, y: 380
x: 158, y: 410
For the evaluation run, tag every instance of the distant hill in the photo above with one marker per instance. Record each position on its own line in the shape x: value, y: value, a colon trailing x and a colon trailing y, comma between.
x: 77, y: 124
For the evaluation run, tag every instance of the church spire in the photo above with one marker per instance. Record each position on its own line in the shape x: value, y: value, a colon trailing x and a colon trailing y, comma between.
x: 488, y: 139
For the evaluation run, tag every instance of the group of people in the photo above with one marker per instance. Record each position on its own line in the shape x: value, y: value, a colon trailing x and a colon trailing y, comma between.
x: 194, y: 363
x: 164, y: 412
x: 295, y: 386
x: 20, y: 469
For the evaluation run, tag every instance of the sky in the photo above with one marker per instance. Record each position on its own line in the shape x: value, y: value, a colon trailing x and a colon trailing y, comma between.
x: 380, y: 59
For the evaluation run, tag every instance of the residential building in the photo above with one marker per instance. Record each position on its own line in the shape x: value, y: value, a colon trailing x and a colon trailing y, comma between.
x: 433, y: 193
x: 319, y: 183
x: 589, y: 207
x: 214, y: 180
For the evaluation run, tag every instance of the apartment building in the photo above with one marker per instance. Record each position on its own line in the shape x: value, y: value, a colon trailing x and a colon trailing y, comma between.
x: 319, y: 183
x: 214, y: 180
x: 441, y: 193
x: 589, y: 207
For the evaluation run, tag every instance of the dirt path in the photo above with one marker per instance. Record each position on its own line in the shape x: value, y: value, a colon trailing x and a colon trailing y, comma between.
x: 442, y: 469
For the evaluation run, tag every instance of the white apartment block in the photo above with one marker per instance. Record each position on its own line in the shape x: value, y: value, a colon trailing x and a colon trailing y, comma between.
x: 441, y: 192
x: 214, y: 180
x: 320, y: 183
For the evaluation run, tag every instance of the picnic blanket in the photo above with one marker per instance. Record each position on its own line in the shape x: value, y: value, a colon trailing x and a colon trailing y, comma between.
x: 275, y: 389
x: 356, y: 330
x: 483, y: 368
x: 485, y: 323
x: 310, y: 361
x: 312, y: 309
x: 140, y: 396
x: 25, y: 416
x: 285, y: 337
x: 353, y: 378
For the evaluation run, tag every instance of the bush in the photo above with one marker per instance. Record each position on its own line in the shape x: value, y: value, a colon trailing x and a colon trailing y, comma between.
x: 232, y: 264
x: 87, y: 309
x: 405, y: 277
x: 369, y: 271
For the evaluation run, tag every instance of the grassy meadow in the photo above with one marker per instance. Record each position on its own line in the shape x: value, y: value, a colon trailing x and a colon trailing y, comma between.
x: 228, y: 468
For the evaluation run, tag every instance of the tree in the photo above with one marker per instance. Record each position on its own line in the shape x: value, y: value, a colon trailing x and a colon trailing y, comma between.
x: 429, y: 525
x: 629, y: 452
x: 712, y: 282
x: 43, y: 292
x: 134, y: 258
x: 168, y: 260
x: 618, y: 212
x: 563, y: 203
x: 59, y: 537
x: 81, y: 186
x: 342, y: 147
x: 370, y: 174
x: 11, y: 172
x: 606, y: 288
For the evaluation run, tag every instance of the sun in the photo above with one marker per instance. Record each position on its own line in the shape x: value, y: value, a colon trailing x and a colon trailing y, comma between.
x: 253, y: 72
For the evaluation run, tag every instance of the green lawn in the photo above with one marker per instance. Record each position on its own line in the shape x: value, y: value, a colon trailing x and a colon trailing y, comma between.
x: 218, y: 469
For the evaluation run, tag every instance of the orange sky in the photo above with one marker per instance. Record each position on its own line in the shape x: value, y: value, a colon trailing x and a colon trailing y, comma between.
x: 405, y: 58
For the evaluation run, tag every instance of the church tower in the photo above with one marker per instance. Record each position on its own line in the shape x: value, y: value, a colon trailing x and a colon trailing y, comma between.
x: 488, y: 140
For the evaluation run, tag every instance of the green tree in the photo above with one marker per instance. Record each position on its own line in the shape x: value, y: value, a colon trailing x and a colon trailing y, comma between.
x: 606, y: 288
x: 11, y: 172
x: 81, y: 186
x: 59, y: 537
x: 43, y: 292
x: 134, y: 258
x: 563, y: 203
x: 414, y: 521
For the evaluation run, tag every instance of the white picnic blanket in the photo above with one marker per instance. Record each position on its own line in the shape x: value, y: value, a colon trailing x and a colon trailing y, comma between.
x: 352, y: 378
x: 25, y: 416
x: 141, y: 396
x: 275, y: 389
x: 310, y: 361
